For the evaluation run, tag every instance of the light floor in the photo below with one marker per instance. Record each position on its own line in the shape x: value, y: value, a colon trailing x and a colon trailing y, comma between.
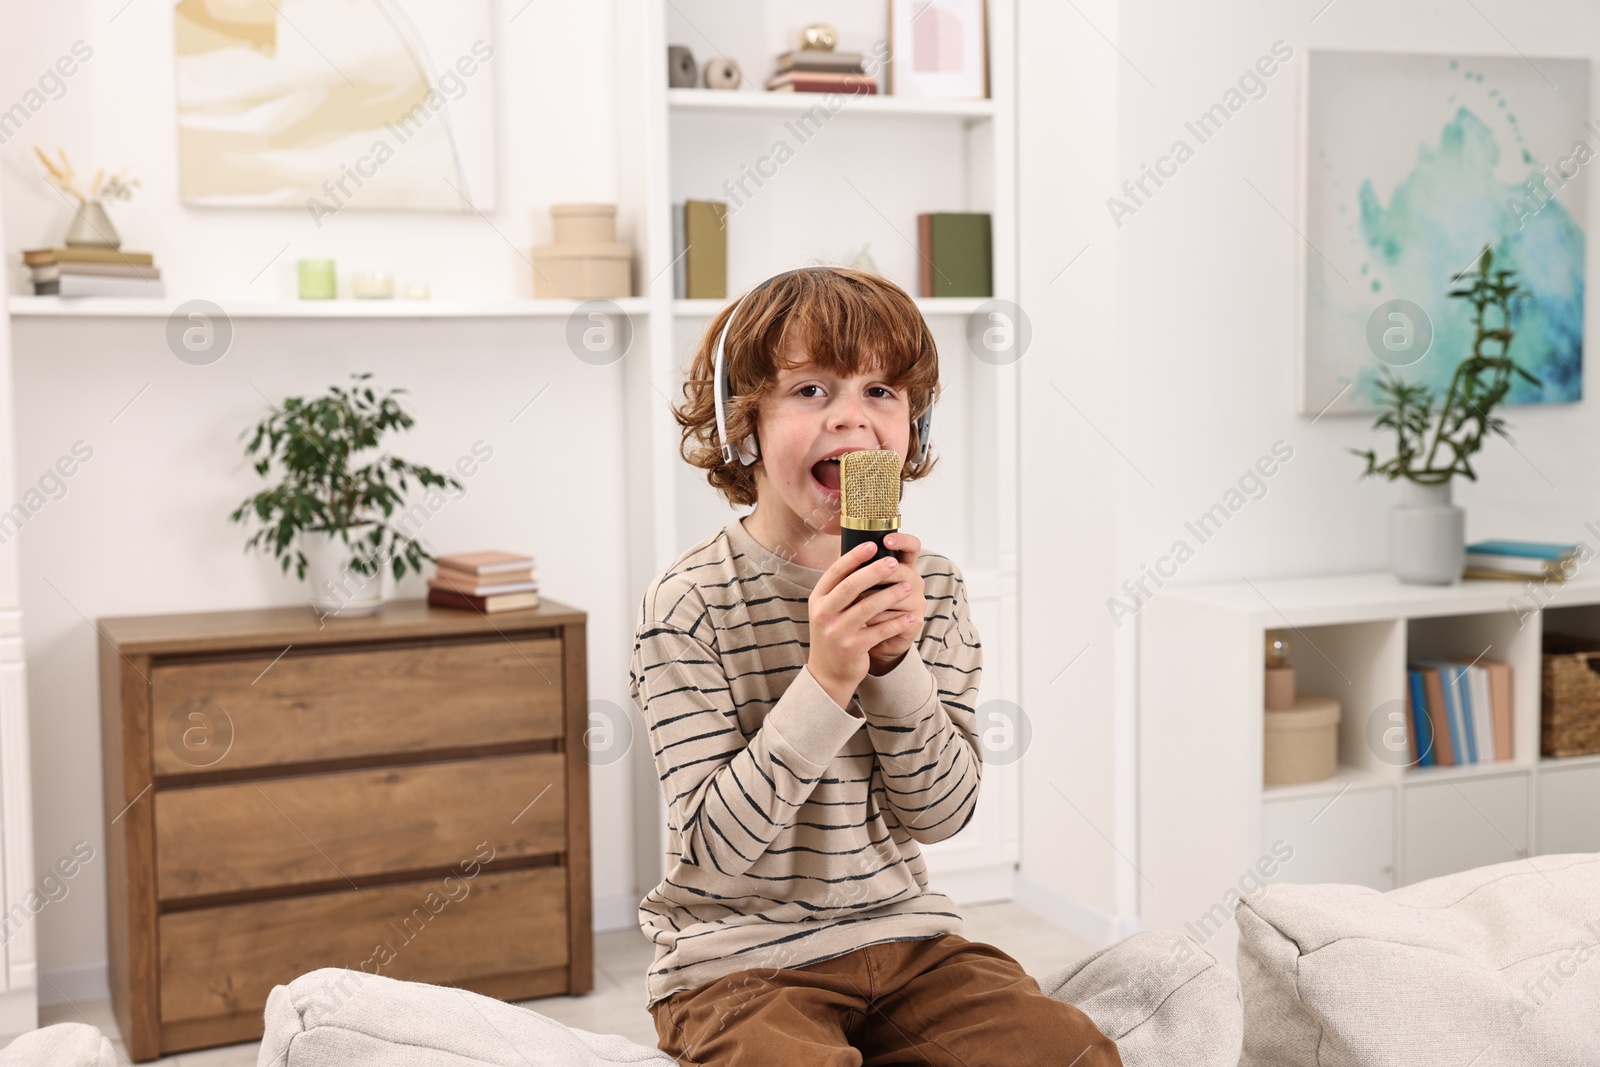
x: 617, y: 1004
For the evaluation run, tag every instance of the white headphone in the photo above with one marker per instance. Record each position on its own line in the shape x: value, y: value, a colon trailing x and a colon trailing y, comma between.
x: 722, y: 389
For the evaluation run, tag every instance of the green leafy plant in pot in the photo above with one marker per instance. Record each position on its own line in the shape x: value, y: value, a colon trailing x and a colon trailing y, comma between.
x: 327, y: 516
x: 1433, y: 444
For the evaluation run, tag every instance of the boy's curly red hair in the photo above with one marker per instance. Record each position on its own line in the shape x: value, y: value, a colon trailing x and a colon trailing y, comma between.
x: 848, y: 321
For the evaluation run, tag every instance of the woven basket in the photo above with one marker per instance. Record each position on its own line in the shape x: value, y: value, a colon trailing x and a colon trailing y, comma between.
x: 1569, y: 722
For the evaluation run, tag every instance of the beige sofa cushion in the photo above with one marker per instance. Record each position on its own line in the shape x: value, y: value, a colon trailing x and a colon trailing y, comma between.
x: 335, y: 1017
x: 1498, y: 965
x: 1161, y: 997
x: 61, y: 1045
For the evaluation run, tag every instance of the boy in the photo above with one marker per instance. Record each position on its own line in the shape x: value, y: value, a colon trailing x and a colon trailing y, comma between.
x: 812, y: 724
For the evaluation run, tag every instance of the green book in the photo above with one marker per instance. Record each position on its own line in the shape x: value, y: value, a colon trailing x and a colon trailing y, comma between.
x: 705, y: 259
x: 956, y: 254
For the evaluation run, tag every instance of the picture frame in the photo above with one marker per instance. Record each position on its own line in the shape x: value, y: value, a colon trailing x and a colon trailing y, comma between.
x: 939, y: 49
x: 1410, y: 164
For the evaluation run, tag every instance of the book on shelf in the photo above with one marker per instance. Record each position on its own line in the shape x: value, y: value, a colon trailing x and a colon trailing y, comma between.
x: 955, y: 254
x: 484, y: 563
x: 818, y: 81
x: 817, y: 59
x: 85, y: 285
x: 1521, y: 559
x: 487, y: 605
x: 50, y: 272
x: 493, y: 587
x: 1444, y: 748
x: 1419, y: 737
x: 41, y: 257
x: 1467, y: 704
x: 705, y: 254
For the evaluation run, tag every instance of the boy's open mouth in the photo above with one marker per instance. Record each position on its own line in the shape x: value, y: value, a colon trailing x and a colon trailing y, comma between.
x: 825, y: 472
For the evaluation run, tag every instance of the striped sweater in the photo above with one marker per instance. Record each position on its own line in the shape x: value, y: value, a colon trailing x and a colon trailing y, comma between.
x: 793, y: 826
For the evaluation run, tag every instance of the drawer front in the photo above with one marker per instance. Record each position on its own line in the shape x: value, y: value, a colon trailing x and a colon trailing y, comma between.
x: 262, y: 710
x: 324, y: 828
x: 224, y: 961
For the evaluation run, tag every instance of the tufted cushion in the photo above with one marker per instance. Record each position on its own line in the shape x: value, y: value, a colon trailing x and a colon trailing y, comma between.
x: 1499, y: 965
x: 61, y: 1045
x: 335, y: 1017
x: 1154, y: 994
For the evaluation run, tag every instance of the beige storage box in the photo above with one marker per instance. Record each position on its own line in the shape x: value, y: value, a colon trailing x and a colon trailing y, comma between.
x: 583, y: 223
x: 583, y: 271
x: 1302, y: 742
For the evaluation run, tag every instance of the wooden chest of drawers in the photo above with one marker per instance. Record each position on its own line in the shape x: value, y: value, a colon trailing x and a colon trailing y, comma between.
x: 405, y: 793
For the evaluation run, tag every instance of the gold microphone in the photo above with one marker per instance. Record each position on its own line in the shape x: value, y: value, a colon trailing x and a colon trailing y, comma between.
x: 869, y: 499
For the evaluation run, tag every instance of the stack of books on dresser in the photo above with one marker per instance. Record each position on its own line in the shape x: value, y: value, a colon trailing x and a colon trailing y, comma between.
x: 815, y: 70
x: 1521, y: 560
x: 486, y: 582
x: 91, y: 270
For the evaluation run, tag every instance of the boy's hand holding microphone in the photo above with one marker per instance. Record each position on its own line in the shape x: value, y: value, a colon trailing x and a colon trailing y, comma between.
x: 868, y: 606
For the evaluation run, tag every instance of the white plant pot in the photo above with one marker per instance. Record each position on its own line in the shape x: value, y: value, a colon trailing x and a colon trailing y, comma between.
x: 337, y: 588
x: 1427, y: 535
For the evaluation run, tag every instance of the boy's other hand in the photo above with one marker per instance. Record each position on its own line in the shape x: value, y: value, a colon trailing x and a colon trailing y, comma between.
x: 842, y: 608
x: 886, y: 655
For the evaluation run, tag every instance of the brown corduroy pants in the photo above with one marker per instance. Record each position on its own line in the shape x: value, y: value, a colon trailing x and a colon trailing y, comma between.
x: 942, y: 1001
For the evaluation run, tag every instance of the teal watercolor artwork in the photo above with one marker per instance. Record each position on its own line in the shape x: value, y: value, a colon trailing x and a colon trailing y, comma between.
x: 1412, y: 165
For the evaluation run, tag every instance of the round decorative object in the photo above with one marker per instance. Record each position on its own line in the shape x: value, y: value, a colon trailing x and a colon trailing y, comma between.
x: 819, y: 37
x: 722, y: 73
x: 681, y: 67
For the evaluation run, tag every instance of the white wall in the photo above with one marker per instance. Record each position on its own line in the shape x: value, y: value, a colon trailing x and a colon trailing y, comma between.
x: 142, y: 527
x: 1074, y: 818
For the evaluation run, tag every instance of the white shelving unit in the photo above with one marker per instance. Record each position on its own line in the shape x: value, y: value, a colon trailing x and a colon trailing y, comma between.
x: 858, y: 178
x: 105, y: 307
x: 1205, y: 816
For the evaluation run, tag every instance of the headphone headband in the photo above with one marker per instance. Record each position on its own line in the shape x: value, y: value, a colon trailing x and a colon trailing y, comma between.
x: 722, y: 385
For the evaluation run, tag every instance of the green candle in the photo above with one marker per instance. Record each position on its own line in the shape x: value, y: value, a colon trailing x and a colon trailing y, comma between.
x: 317, y: 279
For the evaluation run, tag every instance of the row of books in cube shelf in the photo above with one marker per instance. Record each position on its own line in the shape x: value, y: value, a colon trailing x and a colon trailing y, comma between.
x: 815, y: 70
x: 1460, y: 711
x: 91, y: 270
x: 1521, y: 560
x: 486, y: 582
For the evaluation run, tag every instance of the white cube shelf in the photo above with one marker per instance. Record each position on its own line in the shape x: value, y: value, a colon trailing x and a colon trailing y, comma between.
x: 1206, y: 818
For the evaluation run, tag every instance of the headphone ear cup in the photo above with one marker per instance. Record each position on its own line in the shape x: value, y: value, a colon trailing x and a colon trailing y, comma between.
x: 924, y: 425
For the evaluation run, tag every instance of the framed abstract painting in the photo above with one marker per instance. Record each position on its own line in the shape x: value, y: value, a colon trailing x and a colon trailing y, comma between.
x: 1411, y: 166
x: 329, y: 104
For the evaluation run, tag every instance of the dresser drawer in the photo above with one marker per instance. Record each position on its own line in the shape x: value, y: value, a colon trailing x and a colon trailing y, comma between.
x: 261, y: 710
x: 222, y: 962
x: 324, y: 828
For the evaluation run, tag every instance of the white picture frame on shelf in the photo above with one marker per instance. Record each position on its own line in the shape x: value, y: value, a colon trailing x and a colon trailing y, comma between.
x: 938, y: 49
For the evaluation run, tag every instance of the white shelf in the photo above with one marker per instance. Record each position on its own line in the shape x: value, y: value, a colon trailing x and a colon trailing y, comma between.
x: 1339, y: 598
x: 107, y: 307
x: 1555, y: 763
x: 1467, y: 770
x: 943, y: 305
x: 788, y: 105
x: 1347, y: 777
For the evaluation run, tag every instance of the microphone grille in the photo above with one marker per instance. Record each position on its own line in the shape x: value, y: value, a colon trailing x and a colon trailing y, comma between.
x: 869, y: 484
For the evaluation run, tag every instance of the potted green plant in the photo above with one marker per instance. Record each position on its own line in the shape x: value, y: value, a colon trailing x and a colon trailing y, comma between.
x: 326, y: 515
x: 1427, y: 542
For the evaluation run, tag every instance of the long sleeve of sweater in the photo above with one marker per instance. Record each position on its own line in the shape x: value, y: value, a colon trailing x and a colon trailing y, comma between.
x: 730, y: 795
x: 921, y: 716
